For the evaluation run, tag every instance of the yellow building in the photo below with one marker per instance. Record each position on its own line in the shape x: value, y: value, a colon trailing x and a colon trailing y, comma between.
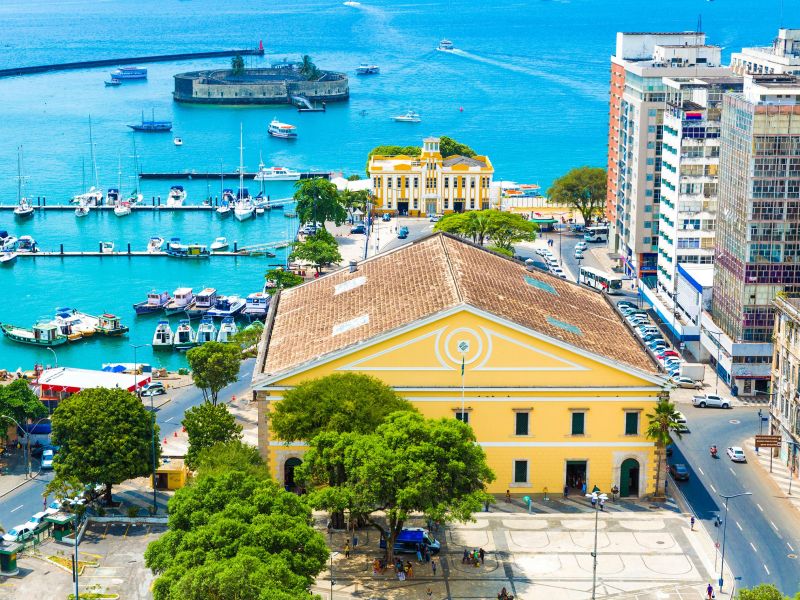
x: 431, y: 184
x: 555, y: 385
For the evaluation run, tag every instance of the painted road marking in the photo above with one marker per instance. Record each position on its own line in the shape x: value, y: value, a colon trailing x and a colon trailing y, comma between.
x: 713, y: 489
x: 790, y: 546
x: 168, y: 420
x: 759, y: 507
x: 773, y: 524
x: 701, y: 471
x: 753, y: 547
x: 739, y: 526
x: 16, y: 509
x: 766, y: 569
x: 732, y: 471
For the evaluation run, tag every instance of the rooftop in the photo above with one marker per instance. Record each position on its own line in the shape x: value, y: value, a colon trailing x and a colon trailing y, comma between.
x: 429, y: 276
x: 463, y: 160
x: 70, y: 380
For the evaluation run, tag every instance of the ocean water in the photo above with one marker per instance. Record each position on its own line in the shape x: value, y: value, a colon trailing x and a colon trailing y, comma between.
x: 528, y: 87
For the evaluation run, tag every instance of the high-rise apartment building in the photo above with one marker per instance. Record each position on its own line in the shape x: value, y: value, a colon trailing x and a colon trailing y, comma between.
x: 782, y: 58
x: 639, y: 67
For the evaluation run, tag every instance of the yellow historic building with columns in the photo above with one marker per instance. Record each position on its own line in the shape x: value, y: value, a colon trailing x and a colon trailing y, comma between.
x: 555, y: 386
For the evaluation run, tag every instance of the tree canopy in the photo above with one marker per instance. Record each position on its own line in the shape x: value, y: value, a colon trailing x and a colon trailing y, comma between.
x: 214, y: 365
x: 308, y: 69
x: 206, y: 425
x: 319, y: 201
x: 218, y: 458
x: 237, y: 64
x: 503, y: 228
x: 661, y: 423
x: 18, y: 401
x: 318, y: 249
x: 582, y: 188
x: 234, y: 533
x: 764, y: 591
x: 281, y: 279
x: 450, y: 147
x: 104, y: 437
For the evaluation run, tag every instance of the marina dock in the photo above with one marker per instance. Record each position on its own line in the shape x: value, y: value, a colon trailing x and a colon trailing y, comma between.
x: 218, y: 175
x: 154, y: 204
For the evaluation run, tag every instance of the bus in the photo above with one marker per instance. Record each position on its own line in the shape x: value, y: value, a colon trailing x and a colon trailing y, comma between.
x: 596, y: 234
x: 600, y: 280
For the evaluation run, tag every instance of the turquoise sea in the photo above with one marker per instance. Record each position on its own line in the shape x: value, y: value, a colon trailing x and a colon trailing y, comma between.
x: 528, y: 87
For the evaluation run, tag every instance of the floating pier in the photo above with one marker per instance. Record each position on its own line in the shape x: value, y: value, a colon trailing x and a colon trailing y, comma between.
x: 155, y: 204
x: 206, y: 175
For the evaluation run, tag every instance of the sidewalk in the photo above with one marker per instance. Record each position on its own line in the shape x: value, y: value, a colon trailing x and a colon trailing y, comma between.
x: 780, y: 473
x: 13, y: 471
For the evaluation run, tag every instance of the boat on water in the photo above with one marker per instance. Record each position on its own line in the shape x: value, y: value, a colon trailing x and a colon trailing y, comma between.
x: 445, y: 45
x: 220, y: 243
x: 228, y: 200
x: 352, y: 3
x: 243, y: 209
x: 206, y: 331
x: 162, y: 337
x: 74, y: 324
x: 367, y: 69
x: 7, y: 242
x: 91, y: 197
x: 178, y: 250
x: 106, y: 247
x: 185, y: 337
x: 201, y: 304
x: 156, y: 301
x: 409, y: 117
x: 23, y: 209
x: 26, y: 244
x: 276, y: 174
x: 181, y: 298
x: 152, y: 126
x: 281, y: 130
x: 109, y: 325
x: 41, y: 334
x: 177, y: 141
x: 176, y: 196
x: 227, y: 329
x: 154, y: 244
x: 129, y: 73
x: 82, y: 210
x: 113, y: 82
x: 122, y: 208
x: 8, y: 258
x: 112, y: 196
x: 226, y: 306
x: 256, y: 305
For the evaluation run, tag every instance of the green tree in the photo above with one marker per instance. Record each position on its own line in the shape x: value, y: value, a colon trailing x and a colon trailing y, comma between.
x: 237, y: 65
x: 104, y: 437
x: 214, y: 365
x: 582, y: 188
x: 319, y: 201
x: 764, y: 591
x: 248, y: 338
x: 408, y: 465
x: 206, y: 425
x: 662, y: 422
x: 506, y: 229
x: 353, y: 201
x: 308, y: 69
x: 218, y: 459
x: 449, y: 147
x: 18, y: 401
x: 281, y: 279
x: 317, y: 250
x: 472, y: 224
x: 234, y: 535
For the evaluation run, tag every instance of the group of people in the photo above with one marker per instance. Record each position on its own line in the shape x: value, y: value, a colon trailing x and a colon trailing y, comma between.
x: 474, y: 557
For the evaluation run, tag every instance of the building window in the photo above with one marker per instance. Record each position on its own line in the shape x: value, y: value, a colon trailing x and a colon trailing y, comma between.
x: 522, y: 423
x: 405, y: 180
x: 631, y: 423
x: 462, y: 416
x: 578, y: 423
x: 520, y: 471
x: 472, y: 183
x: 416, y: 182
x: 446, y: 182
x: 389, y: 182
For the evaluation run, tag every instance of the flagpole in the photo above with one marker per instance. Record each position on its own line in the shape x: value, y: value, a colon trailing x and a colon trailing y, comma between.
x: 463, y: 415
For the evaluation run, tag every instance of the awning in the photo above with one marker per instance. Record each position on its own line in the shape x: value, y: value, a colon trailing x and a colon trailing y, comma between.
x: 72, y: 381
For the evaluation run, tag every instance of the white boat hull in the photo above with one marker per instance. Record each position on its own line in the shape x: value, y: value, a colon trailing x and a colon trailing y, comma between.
x: 122, y: 211
x: 242, y: 214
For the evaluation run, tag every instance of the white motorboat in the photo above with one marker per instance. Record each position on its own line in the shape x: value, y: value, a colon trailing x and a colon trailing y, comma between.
x: 243, y: 209
x: 276, y: 174
x: 257, y: 304
x: 203, y: 301
x: 409, y: 117
x: 352, y: 3
x: 281, y: 130
x: 177, y: 141
x: 24, y: 209
x: 185, y: 337
x: 220, y: 243
x: 206, y: 331
x: 162, y: 338
x: 227, y: 306
x: 92, y: 197
x: 26, y: 243
x: 445, y: 45
x: 176, y: 196
x: 367, y: 69
x: 106, y: 247
x: 225, y: 209
x: 122, y: 209
x: 82, y: 210
x: 259, y: 210
x: 227, y: 330
x: 155, y: 244
x: 8, y: 258
x: 181, y: 298
x: 7, y: 242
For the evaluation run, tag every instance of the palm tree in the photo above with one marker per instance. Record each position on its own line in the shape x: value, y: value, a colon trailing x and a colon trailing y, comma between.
x: 307, y: 66
x: 662, y: 423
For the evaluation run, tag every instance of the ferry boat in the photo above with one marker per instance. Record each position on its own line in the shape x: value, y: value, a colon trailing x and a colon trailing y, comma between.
x: 203, y: 301
x: 152, y: 126
x: 27, y: 244
x: 256, y: 305
x: 109, y: 325
x: 185, y: 337
x: 206, y: 331
x: 155, y: 244
x: 176, y: 196
x: 23, y: 210
x: 282, y: 130
x: 226, y: 306
x: 41, y: 334
x: 276, y: 174
x: 122, y: 209
x: 8, y: 258
x: 162, y: 338
x: 367, y: 69
x: 445, y: 45
x: 220, y: 243
x: 128, y: 73
x: 181, y: 298
x: 409, y: 117
x: 227, y: 330
x: 178, y: 250
x: 155, y: 302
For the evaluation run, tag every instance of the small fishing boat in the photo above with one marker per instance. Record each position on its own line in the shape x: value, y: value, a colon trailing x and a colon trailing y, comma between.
x: 155, y: 302
x: 82, y: 210
x: 80, y: 322
x: 7, y: 258
x: 113, y: 82
x: 176, y: 196
x: 177, y: 141
x: 129, y: 73
x: 122, y: 209
x: 220, y: 243
x: 367, y: 69
x: 109, y: 325
x: 203, y: 301
x: 206, y: 331
x: 257, y: 305
x: 445, y: 45
x: 181, y: 298
x: 276, y: 174
x: 227, y: 330
x: 106, y: 247
x: 26, y: 244
x: 281, y: 130
x: 409, y: 117
x: 185, y: 337
x: 226, y: 306
x: 178, y: 250
x: 162, y: 338
x: 41, y: 334
x: 155, y: 244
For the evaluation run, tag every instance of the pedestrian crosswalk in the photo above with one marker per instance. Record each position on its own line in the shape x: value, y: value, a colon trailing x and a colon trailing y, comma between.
x: 576, y: 505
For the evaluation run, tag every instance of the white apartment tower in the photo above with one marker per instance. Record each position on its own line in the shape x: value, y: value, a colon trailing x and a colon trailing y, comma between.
x: 782, y: 58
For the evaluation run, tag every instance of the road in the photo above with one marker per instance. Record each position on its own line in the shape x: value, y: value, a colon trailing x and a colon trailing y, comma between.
x: 763, y: 530
x: 19, y: 505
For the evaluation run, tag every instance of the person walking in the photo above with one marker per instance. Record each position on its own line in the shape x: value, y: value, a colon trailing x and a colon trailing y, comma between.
x: 709, y: 592
x: 583, y: 488
x: 602, y: 504
x: 430, y: 593
x: 691, y: 523
x: 482, y: 555
x: 566, y: 491
x: 433, y: 566
x: 347, y: 549
x: 419, y: 553
x: 594, y: 501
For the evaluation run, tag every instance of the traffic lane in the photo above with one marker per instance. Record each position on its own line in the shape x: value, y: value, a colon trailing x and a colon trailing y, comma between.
x: 18, y: 506
x: 417, y: 228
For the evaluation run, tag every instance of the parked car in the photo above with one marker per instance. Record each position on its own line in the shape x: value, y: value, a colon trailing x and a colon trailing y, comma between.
x: 559, y: 272
x: 358, y: 229
x: 582, y: 246
x: 711, y: 400
x: 435, y: 218
x: 680, y: 417
x: 679, y: 472
x: 687, y: 383
x: 18, y: 533
x: 681, y: 428
x: 402, y: 233
x: 578, y: 254
x: 410, y: 539
x: 736, y: 454
x: 47, y: 460
x: 672, y: 353
x: 36, y: 520
x: 154, y: 388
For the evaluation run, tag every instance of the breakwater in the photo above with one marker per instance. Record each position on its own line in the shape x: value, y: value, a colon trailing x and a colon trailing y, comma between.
x: 112, y: 62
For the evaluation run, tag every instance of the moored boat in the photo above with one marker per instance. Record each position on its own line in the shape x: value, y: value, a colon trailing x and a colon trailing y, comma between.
x: 179, y: 250
x: 26, y: 243
x: 220, y: 243
x: 129, y: 73
x: 122, y: 209
x: 106, y: 247
x: 162, y: 337
x: 177, y: 141
x: 154, y: 244
x: 82, y: 210
x: 109, y: 325
x: 445, y: 45
x: 156, y: 301
x: 181, y: 298
x: 113, y: 82
x: 276, y: 174
x: 257, y: 305
x: 41, y: 334
x: 227, y: 330
x: 367, y: 69
x: 409, y: 117
x: 7, y: 242
x: 185, y: 337
x: 8, y: 258
x: 152, y: 126
x: 281, y: 130
x: 226, y: 306
x: 92, y: 197
x: 73, y: 324
x: 23, y: 209
x: 176, y: 196
x: 203, y: 301
x: 206, y: 331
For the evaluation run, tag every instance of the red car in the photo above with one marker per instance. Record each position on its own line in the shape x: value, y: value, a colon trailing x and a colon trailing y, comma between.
x: 669, y: 353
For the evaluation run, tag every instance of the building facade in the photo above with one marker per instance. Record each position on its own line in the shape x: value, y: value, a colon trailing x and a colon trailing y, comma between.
x: 554, y: 384
x: 782, y: 58
x: 785, y: 401
x: 639, y: 67
x: 431, y: 184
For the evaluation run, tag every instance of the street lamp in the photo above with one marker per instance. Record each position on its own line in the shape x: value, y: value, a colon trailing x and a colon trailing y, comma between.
x: 152, y: 418
x: 596, y: 498
x: 54, y: 356
x: 725, y: 530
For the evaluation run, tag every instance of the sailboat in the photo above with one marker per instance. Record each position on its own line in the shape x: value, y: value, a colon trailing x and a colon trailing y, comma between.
x: 122, y: 207
x: 94, y: 195
x: 135, y: 197
x: 82, y: 209
x: 23, y: 210
x: 243, y: 209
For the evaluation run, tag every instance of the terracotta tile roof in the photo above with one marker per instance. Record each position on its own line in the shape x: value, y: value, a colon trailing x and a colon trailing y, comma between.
x: 436, y: 273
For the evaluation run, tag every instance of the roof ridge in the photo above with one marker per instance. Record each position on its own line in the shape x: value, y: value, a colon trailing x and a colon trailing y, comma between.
x: 452, y: 271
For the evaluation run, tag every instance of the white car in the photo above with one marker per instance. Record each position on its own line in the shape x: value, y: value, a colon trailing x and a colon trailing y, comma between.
x: 559, y: 272
x: 736, y: 454
x: 18, y: 533
x: 711, y: 400
x: 680, y: 417
x: 47, y: 460
x: 36, y: 519
x: 581, y: 246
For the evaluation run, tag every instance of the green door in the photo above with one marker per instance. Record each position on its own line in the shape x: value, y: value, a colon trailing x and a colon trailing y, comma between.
x: 629, y: 478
